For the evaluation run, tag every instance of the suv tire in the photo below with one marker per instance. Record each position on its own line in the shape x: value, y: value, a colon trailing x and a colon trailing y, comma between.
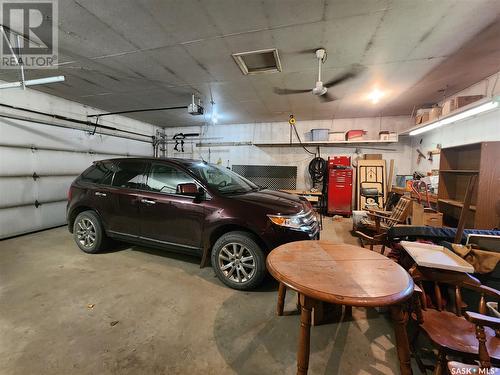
x: 238, y: 260
x: 88, y: 232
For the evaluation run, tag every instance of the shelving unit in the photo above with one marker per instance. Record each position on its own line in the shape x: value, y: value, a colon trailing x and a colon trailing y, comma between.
x: 322, y: 143
x: 457, y: 165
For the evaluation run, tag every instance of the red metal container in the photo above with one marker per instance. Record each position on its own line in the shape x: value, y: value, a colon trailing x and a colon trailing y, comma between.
x: 339, y: 185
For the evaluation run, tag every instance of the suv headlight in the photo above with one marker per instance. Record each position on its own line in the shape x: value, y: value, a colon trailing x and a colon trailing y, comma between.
x: 302, y: 221
x: 293, y: 221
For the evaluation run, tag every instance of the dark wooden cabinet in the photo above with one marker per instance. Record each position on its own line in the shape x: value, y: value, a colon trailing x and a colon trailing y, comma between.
x: 457, y: 165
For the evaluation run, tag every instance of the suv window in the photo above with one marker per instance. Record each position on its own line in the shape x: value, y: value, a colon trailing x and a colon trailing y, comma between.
x: 99, y: 173
x: 130, y: 174
x: 164, y: 178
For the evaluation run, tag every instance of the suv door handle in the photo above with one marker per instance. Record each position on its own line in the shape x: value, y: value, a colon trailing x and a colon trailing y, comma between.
x: 99, y: 194
x: 147, y: 201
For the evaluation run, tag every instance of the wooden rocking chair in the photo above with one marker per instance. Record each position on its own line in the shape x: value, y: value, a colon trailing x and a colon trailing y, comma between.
x: 452, y: 332
x: 377, y: 224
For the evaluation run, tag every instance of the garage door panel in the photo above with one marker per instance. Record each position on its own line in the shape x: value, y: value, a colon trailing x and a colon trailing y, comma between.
x: 27, y: 219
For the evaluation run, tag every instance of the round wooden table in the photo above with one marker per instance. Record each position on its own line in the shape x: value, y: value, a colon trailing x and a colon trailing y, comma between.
x: 345, y: 275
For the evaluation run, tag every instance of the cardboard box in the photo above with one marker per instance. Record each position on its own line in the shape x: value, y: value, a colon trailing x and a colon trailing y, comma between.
x: 462, y: 101
x: 447, y: 107
x: 421, y: 119
x: 388, y: 136
x: 336, y: 136
x: 424, y: 216
x: 434, y: 113
x: 373, y: 157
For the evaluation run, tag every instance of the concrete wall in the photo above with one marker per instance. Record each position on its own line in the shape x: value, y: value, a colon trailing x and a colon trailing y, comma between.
x: 279, y: 132
x: 483, y: 127
x: 18, y: 160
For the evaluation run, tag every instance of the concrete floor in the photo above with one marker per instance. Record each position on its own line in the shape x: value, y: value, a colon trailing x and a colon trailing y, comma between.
x: 142, y: 311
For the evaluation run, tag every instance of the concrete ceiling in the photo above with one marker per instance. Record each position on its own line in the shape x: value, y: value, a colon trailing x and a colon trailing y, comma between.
x: 127, y: 54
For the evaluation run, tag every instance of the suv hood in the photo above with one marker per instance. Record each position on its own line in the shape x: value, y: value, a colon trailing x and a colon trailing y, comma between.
x: 275, y: 202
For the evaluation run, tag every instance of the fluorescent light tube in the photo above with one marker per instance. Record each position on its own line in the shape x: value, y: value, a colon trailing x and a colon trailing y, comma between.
x: 42, y: 81
x: 459, y: 116
x: 33, y: 82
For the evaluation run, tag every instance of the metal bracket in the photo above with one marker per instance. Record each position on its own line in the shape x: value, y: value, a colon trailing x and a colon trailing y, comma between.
x: 19, y: 60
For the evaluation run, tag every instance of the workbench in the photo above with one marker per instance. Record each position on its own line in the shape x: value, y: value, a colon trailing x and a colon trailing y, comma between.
x: 311, y: 196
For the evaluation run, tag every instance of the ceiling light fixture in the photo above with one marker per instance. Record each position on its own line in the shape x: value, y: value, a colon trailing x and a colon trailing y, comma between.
x: 466, y: 113
x: 375, y: 95
x: 32, y: 82
x: 214, y: 117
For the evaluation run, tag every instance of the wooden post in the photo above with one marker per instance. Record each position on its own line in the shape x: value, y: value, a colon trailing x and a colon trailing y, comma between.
x: 391, y: 175
x: 465, y: 209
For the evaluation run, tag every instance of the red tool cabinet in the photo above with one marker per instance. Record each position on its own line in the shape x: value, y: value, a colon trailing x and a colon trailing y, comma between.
x: 339, y: 185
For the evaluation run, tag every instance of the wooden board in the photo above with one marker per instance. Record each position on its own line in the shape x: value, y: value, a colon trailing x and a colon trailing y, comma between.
x: 433, y: 256
x: 371, y: 174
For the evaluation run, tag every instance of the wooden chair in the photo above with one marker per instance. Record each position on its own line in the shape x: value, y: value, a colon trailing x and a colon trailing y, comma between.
x: 451, y: 332
x: 377, y: 224
x: 480, y: 321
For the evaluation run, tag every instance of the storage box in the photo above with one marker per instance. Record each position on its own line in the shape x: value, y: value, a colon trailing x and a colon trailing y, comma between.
x: 355, y: 134
x: 422, y: 118
x: 336, y: 136
x: 319, y: 134
x: 388, y: 136
x: 447, y: 107
x: 425, y: 216
x: 461, y: 101
x: 434, y: 113
x: 373, y: 157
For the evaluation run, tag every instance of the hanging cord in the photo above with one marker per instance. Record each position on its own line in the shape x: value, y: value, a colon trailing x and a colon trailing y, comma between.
x: 291, y: 121
x: 317, y: 170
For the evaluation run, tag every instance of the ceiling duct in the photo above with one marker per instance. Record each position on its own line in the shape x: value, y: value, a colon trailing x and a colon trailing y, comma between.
x: 262, y: 61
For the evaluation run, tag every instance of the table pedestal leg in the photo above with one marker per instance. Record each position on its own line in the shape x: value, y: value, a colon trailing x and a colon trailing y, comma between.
x: 400, y: 319
x: 306, y: 305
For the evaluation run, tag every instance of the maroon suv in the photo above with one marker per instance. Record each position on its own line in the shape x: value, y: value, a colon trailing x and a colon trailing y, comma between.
x: 190, y: 206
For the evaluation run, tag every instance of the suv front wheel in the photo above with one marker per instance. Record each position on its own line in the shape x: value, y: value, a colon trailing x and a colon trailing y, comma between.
x: 238, y: 260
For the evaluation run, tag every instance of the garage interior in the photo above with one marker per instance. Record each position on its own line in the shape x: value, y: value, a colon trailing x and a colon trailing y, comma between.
x: 378, y: 118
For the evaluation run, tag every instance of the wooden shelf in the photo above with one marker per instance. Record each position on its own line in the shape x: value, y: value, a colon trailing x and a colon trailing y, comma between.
x: 455, y: 203
x: 322, y: 143
x: 460, y: 171
x: 458, y: 164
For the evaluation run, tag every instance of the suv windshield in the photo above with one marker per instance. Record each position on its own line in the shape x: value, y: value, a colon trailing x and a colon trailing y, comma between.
x: 222, y: 179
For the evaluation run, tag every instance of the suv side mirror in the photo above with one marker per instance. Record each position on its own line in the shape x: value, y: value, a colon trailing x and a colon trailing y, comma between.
x: 189, y: 189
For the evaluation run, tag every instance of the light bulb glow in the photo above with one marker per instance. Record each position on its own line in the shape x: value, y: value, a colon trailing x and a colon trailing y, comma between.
x: 375, y: 95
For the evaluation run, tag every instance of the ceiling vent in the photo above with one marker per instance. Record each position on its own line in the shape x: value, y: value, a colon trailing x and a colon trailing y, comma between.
x: 262, y: 61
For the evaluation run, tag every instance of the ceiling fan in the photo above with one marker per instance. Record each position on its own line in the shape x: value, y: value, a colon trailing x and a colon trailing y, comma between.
x: 321, y: 89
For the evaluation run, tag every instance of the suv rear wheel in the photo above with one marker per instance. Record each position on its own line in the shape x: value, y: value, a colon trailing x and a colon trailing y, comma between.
x: 238, y: 260
x: 88, y: 232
